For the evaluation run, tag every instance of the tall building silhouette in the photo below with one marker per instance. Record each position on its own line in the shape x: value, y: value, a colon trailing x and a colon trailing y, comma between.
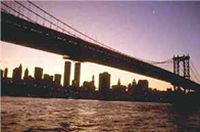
x: 2, y: 74
x: 143, y: 83
x: 17, y: 73
x: 46, y: 77
x: 104, y: 84
x: 6, y: 73
x: 118, y: 91
x: 38, y: 73
x: 77, y: 74
x: 119, y: 82
x: 67, y: 71
x: 26, y: 74
x: 134, y: 83
x: 57, y: 79
x: 20, y: 70
x: 51, y: 78
x: 93, y: 80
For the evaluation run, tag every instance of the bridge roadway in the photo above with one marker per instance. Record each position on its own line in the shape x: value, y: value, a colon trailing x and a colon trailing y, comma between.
x: 22, y: 32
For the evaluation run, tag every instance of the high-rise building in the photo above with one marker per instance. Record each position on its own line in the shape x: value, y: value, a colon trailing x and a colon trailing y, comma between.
x: 89, y: 86
x: 46, y: 77
x: 143, y: 83
x: 131, y: 87
x: 20, y: 70
x: 26, y: 74
x: 134, y: 83
x: 67, y: 71
x: 77, y: 74
x: 57, y: 79
x: 17, y: 73
x: 38, y: 73
x: 104, y: 84
x: 6, y: 73
x: 119, y: 82
x: 118, y: 90
x: 93, y: 80
x: 1, y: 74
x: 51, y: 78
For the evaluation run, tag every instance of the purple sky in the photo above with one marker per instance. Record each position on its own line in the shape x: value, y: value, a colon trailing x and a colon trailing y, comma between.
x: 147, y: 30
x: 161, y: 29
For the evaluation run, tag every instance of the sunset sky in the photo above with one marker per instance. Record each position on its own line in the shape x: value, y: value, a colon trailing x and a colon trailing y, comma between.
x: 147, y: 30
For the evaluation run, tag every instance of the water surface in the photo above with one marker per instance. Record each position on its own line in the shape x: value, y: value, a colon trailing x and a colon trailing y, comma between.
x: 20, y: 114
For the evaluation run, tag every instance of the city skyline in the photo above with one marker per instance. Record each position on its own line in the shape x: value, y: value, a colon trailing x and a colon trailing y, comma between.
x: 114, y: 77
x: 19, y: 74
x: 49, y: 86
x: 169, y: 34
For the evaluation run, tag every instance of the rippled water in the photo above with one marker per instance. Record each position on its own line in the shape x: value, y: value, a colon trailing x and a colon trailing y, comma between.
x: 49, y: 115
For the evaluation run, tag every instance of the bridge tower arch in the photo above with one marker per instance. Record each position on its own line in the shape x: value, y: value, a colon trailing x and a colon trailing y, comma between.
x: 185, y: 59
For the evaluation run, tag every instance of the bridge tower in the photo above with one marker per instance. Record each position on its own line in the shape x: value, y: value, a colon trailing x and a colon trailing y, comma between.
x: 185, y: 64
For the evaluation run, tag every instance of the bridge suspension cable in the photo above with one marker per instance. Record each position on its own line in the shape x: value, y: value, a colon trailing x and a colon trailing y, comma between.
x: 166, y: 64
x: 14, y: 11
x: 195, y: 73
x: 161, y: 62
x: 195, y: 69
x: 42, y: 17
x: 93, y: 41
x: 194, y: 77
x: 79, y: 32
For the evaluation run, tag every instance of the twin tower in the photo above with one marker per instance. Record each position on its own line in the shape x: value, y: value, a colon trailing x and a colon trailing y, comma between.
x: 67, y: 71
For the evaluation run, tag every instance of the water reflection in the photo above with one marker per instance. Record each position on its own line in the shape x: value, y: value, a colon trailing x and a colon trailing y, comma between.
x: 35, y: 114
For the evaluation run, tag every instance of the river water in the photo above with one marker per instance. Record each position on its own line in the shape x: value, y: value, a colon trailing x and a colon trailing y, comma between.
x: 20, y: 114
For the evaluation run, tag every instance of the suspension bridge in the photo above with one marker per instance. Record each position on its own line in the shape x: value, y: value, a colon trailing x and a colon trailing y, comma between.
x: 25, y: 23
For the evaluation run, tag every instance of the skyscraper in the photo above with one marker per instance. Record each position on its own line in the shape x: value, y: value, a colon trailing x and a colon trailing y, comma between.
x: 93, y: 80
x: 17, y: 73
x: 77, y: 74
x: 104, y: 84
x: 119, y: 82
x: 26, y: 74
x: 1, y: 73
x: 143, y: 83
x: 51, y: 78
x: 67, y: 71
x: 57, y: 79
x: 38, y: 73
x: 6, y: 73
x: 46, y: 77
x: 20, y: 70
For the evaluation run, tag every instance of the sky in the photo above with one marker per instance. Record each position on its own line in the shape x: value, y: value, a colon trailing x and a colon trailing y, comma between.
x: 153, y: 31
